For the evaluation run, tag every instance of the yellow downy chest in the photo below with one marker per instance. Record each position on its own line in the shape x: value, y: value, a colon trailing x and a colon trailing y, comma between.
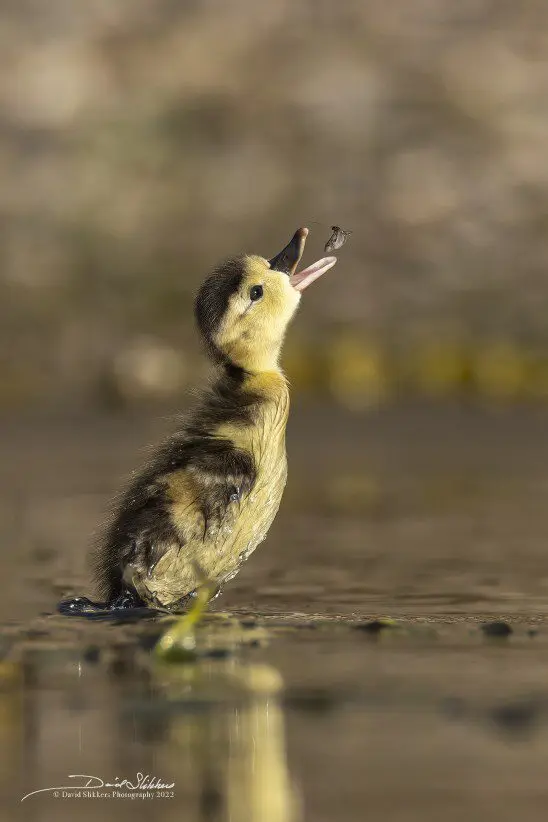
x: 255, y: 512
x: 259, y: 508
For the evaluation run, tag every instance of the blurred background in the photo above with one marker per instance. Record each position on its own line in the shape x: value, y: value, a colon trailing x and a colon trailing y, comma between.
x: 142, y: 143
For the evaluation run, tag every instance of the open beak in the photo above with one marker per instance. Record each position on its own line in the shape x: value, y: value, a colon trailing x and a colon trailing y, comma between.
x: 288, y: 259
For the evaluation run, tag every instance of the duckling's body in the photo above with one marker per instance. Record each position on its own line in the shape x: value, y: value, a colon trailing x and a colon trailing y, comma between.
x: 207, y: 499
x: 211, y: 492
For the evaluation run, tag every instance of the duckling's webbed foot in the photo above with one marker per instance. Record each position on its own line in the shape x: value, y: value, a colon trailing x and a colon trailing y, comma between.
x: 79, y: 606
x: 127, y: 598
x: 126, y: 604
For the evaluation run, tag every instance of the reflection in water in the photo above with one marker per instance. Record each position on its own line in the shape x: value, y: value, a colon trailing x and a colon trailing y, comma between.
x: 215, y: 728
x: 259, y: 786
x: 229, y: 734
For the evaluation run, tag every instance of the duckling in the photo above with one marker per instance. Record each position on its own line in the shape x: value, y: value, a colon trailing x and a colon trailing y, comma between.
x: 211, y: 492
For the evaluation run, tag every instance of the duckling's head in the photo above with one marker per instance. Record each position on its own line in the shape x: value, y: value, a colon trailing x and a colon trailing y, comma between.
x: 244, y: 307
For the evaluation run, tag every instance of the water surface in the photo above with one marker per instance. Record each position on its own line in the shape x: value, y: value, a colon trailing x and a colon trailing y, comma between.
x: 436, y: 518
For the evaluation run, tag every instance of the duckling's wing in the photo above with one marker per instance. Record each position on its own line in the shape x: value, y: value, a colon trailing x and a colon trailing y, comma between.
x: 193, y: 531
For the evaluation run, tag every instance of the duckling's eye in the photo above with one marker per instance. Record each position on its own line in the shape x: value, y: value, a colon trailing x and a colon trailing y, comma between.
x: 256, y: 292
